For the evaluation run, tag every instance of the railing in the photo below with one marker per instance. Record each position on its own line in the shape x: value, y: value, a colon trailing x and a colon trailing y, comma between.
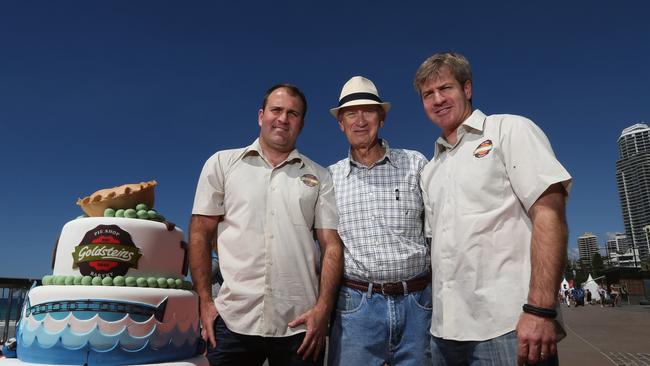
x: 12, y: 296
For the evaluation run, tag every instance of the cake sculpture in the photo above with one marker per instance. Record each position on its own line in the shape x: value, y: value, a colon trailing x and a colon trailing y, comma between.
x: 117, y: 294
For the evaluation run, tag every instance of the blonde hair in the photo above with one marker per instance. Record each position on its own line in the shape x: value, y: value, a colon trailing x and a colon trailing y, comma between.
x: 456, y: 63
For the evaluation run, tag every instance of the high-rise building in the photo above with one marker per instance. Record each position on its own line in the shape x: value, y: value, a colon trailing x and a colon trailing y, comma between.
x: 587, y: 247
x: 616, y: 244
x: 633, y: 180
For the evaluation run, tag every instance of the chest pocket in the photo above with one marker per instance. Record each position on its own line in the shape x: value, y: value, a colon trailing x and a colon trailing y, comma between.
x: 481, y: 179
x: 302, y: 196
x: 402, y: 208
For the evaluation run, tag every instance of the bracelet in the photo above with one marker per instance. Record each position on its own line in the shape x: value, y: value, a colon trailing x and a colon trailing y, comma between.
x: 541, y: 312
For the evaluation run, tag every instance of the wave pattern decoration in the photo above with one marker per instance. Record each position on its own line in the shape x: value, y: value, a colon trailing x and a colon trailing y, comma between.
x: 69, y: 340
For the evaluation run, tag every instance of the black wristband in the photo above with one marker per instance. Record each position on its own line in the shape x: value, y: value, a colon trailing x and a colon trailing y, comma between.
x: 541, y: 312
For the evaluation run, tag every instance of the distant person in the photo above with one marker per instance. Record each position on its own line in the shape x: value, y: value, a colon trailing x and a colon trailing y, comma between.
x: 384, y: 307
x: 613, y: 295
x: 601, y: 294
x: 267, y: 202
x: 494, y: 196
x: 567, y: 297
x: 579, y: 297
x: 588, y: 294
x: 625, y: 295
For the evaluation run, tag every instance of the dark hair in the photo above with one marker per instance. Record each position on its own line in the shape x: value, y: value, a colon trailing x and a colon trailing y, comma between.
x: 293, y: 91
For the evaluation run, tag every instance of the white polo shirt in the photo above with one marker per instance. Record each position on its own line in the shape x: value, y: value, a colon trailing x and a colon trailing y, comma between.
x: 268, y: 255
x: 477, y: 195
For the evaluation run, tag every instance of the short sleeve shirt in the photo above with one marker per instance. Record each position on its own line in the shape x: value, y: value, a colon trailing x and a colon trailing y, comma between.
x: 477, y: 195
x: 268, y: 255
x: 381, y: 216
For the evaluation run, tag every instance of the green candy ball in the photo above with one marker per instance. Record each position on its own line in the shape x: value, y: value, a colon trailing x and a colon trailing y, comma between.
x: 69, y: 280
x: 152, y: 282
x: 141, y: 206
x: 141, y: 282
x: 48, y: 280
x: 178, y: 283
x: 97, y: 281
x: 59, y: 280
x: 171, y: 283
x: 77, y: 280
x: 107, y: 281
x: 109, y: 212
x: 119, y: 213
x: 118, y: 281
x: 130, y: 213
x: 187, y: 285
x: 142, y: 214
x: 152, y: 214
x: 162, y: 282
x: 86, y: 280
x: 130, y: 281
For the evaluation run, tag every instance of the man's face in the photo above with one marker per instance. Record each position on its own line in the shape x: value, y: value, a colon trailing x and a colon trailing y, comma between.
x: 281, y: 120
x: 361, y: 124
x: 445, y: 101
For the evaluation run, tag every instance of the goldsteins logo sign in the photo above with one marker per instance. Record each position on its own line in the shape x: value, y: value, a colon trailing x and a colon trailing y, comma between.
x: 106, y: 251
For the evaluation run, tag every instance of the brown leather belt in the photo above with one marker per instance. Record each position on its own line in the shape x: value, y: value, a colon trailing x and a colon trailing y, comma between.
x: 391, y: 288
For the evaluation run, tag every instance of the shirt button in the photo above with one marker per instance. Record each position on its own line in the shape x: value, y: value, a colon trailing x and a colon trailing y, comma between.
x: 271, y: 236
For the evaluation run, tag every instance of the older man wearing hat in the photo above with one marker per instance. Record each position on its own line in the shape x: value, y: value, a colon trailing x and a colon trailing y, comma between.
x: 384, y: 305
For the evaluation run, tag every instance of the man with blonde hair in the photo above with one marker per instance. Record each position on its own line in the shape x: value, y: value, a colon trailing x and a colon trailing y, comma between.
x: 494, y: 197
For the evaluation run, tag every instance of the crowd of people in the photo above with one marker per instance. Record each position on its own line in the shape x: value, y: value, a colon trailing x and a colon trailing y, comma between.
x: 392, y: 257
x: 610, y: 297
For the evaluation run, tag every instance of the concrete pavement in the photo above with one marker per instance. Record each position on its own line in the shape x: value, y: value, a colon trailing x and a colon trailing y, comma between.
x: 606, y: 336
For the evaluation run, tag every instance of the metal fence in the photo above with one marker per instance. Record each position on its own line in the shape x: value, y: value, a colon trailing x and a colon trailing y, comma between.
x: 12, y: 296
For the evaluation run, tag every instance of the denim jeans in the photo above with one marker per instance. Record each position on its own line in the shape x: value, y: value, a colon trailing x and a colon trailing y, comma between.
x: 497, y: 351
x: 243, y: 350
x: 373, y: 329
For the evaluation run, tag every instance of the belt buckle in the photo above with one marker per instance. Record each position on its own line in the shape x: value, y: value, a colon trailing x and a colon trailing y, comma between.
x: 390, y: 286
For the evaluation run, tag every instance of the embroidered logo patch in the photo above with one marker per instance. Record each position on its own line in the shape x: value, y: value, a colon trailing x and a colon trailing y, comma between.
x: 483, y: 149
x: 309, y: 180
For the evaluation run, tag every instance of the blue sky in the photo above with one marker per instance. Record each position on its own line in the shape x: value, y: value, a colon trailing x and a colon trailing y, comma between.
x: 95, y: 94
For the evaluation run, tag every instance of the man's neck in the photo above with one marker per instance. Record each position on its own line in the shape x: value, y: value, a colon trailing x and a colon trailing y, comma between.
x: 274, y: 157
x: 368, y: 155
x: 451, y: 137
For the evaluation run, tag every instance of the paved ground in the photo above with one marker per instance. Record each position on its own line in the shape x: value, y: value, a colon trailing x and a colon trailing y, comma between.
x: 606, y: 336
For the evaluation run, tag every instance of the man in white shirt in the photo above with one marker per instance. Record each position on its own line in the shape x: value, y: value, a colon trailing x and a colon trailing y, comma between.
x: 265, y: 202
x: 494, y: 197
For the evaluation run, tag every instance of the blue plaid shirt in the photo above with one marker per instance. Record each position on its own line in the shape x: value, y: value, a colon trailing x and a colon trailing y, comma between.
x: 381, y: 216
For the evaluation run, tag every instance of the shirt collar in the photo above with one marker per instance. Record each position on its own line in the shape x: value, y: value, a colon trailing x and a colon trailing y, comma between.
x: 474, y: 123
x: 256, y: 149
x: 388, y: 156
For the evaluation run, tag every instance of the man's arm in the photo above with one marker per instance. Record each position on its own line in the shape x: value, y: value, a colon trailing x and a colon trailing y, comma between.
x: 202, y: 229
x: 536, y: 335
x: 317, y: 317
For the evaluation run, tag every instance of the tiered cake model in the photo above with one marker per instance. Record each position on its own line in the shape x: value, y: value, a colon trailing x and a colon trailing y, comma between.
x: 117, y: 294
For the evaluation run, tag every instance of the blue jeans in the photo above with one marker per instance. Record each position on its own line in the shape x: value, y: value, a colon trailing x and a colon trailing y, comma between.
x: 497, y: 351
x: 373, y: 329
x: 243, y: 350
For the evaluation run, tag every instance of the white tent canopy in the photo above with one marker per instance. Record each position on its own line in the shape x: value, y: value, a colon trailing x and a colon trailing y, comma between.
x: 592, y: 286
x: 564, y: 285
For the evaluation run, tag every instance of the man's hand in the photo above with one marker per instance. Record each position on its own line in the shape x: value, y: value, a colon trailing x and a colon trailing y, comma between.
x: 536, y: 339
x: 315, y: 319
x: 209, y: 314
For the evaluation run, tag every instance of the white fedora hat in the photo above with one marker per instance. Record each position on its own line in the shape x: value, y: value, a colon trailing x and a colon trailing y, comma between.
x: 358, y: 91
